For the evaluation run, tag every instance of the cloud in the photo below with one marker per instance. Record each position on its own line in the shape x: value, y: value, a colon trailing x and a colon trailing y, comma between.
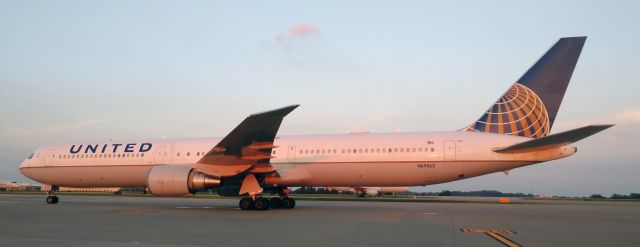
x: 624, y: 118
x: 302, y: 30
x: 627, y: 117
x: 623, y: 135
x: 296, y: 32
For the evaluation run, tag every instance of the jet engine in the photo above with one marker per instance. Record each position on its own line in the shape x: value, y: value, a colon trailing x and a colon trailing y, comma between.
x: 178, y: 180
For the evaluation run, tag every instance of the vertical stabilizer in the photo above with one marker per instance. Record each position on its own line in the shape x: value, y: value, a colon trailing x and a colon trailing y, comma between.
x: 530, y: 106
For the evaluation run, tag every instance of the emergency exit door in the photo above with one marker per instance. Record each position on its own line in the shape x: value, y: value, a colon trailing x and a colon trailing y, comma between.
x: 449, y: 150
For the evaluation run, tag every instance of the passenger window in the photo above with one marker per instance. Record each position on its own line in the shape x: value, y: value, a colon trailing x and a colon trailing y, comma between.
x: 432, y: 149
x: 178, y: 154
x: 188, y: 153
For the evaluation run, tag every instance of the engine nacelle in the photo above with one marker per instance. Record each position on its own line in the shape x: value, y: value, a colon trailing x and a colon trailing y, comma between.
x: 178, y: 180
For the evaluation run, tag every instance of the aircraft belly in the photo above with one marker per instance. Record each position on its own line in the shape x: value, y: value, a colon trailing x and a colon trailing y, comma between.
x: 352, y: 174
x: 386, y: 174
x: 91, y: 176
x: 458, y: 170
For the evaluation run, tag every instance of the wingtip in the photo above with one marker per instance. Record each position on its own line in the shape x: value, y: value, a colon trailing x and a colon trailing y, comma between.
x: 279, y: 111
x: 575, y: 37
x: 603, y: 126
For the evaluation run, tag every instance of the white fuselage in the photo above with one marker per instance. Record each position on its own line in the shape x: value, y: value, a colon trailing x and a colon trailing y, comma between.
x: 398, y: 159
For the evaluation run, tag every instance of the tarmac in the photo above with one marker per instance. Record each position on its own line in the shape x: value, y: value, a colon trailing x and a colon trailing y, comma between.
x: 26, y: 220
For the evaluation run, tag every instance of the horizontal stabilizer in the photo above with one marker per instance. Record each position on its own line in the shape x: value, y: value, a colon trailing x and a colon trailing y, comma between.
x: 555, y: 140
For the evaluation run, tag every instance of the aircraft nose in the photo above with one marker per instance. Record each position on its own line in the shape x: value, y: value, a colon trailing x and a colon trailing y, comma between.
x: 22, y: 166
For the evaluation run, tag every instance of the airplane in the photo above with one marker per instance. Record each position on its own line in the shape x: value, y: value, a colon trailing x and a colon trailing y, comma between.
x: 253, y: 161
x: 371, y: 191
x: 6, y: 185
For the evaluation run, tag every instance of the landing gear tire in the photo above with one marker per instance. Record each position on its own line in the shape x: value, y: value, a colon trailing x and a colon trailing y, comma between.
x: 246, y: 203
x: 276, y: 202
x: 261, y: 204
x: 288, y: 203
x: 52, y: 199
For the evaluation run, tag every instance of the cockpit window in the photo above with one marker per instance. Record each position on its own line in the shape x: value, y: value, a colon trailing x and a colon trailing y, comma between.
x: 30, y: 156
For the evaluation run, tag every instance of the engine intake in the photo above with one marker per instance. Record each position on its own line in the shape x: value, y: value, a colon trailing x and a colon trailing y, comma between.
x: 178, y: 180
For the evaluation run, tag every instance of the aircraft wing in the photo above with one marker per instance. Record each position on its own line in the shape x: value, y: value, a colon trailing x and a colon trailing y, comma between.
x: 555, y: 140
x: 248, y: 146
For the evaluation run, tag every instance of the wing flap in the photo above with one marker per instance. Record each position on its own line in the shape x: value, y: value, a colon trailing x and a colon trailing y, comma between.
x: 555, y: 140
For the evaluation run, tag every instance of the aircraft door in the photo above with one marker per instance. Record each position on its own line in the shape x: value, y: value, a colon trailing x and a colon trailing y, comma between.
x: 291, y: 155
x: 47, y: 158
x: 159, y: 155
x: 449, y: 150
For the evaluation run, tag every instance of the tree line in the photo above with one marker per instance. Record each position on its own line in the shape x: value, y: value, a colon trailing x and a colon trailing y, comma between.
x: 616, y: 196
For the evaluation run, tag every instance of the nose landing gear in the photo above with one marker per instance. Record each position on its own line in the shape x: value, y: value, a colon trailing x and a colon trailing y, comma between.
x: 52, y: 199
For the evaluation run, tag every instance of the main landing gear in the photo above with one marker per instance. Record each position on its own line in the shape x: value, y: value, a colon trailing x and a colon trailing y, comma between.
x: 261, y: 203
x: 258, y: 202
x: 52, y: 199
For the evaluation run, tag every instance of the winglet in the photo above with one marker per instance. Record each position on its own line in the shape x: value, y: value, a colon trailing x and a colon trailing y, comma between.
x: 555, y: 140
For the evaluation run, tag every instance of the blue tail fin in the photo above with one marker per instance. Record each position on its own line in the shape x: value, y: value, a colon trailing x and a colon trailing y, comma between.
x: 530, y: 106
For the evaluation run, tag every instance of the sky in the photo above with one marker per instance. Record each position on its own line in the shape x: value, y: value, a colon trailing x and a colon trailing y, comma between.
x: 98, y: 70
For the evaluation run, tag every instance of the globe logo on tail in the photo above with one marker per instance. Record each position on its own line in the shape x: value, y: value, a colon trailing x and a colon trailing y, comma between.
x: 518, y: 112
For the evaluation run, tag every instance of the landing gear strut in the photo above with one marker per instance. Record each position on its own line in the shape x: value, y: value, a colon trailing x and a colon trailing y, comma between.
x: 52, y: 199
